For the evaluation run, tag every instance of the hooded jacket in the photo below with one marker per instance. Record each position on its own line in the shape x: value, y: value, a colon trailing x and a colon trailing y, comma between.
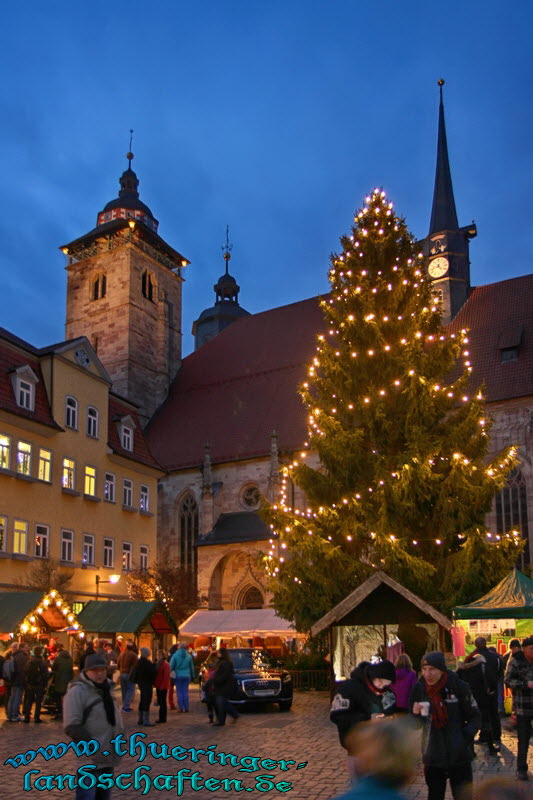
x: 84, y: 718
x: 355, y: 702
x: 450, y: 746
x: 182, y: 665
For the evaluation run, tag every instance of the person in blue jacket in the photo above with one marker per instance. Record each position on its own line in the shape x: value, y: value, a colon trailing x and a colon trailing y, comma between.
x: 181, y: 664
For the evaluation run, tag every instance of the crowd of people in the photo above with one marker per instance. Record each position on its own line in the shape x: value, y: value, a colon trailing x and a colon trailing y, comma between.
x: 378, y: 706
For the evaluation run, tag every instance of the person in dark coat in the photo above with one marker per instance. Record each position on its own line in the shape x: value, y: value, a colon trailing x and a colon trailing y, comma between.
x: 482, y: 670
x: 18, y: 682
x: 445, y: 707
x: 364, y: 695
x: 36, y: 681
x: 144, y: 675
x: 62, y: 674
x: 519, y: 678
x: 89, y: 651
x: 224, y: 687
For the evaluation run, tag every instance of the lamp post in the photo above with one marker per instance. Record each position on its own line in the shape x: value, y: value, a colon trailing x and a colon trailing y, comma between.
x: 98, y: 581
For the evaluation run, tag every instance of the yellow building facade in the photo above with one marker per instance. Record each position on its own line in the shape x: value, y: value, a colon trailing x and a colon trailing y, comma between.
x: 78, y: 486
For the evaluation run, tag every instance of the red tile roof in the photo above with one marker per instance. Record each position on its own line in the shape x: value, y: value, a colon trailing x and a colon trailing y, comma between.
x: 239, y: 387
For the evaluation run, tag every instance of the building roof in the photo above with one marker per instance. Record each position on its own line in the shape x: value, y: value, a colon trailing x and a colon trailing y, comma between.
x: 240, y: 526
x: 125, y: 616
x: 243, y: 384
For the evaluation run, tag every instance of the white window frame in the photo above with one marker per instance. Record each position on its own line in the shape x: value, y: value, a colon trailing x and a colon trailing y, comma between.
x: 45, y: 465
x: 127, y: 556
x: 5, y: 450
x: 108, y: 552
x: 70, y: 472
x: 3, y: 533
x: 20, y: 537
x: 92, y: 422
x: 89, y: 481
x: 143, y: 557
x: 144, y: 498
x: 43, y: 533
x: 127, y: 438
x: 110, y: 487
x: 127, y: 493
x: 23, y: 380
x: 88, y: 552
x: 67, y: 546
x: 23, y: 458
x: 71, y: 412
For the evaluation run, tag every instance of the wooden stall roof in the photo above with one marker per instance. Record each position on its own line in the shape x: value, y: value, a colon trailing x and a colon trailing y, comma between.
x: 125, y: 616
x: 380, y: 600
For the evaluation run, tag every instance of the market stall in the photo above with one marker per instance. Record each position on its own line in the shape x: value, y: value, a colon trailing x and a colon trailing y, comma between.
x: 34, y: 616
x: 147, y: 623
x: 257, y: 627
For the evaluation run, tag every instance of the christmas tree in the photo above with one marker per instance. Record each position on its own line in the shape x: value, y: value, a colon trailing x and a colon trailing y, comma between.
x: 395, y: 471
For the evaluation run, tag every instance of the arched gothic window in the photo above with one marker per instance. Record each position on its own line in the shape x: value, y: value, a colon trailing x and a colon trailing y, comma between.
x: 99, y: 286
x: 188, y: 532
x: 147, y: 285
x: 252, y: 598
x: 511, y: 511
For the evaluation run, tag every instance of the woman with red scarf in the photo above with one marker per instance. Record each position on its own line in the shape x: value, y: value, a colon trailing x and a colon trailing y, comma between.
x: 450, y: 718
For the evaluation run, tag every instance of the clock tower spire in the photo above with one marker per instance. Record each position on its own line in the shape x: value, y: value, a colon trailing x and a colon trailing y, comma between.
x: 446, y: 246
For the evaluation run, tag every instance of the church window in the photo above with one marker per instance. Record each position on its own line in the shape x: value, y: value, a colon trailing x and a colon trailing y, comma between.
x: 99, y: 287
x: 250, y: 497
x: 71, y: 413
x: 511, y: 511
x: 252, y: 598
x: 148, y: 285
x: 188, y: 532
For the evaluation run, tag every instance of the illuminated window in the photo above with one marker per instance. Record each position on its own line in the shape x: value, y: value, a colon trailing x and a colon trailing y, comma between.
x: 127, y: 493
x: 109, y: 487
x: 127, y: 438
x: 109, y: 553
x: 68, y: 479
x: 71, y: 413
x: 126, y: 556
x: 88, y: 550
x: 67, y: 546
x: 92, y: 422
x: 511, y: 511
x: 42, y: 533
x: 3, y: 533
x: 90, y: 481
x: 143, y: 557
x: 145, y: 498
x: 24, y: 458
x: 20, y: 536
x: 45, y: 465
x: 5, y: 451
x: 188, y: 532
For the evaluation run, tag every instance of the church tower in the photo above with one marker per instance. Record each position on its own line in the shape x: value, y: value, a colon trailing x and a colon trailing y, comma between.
x: 226, y: 309
x: 446, y: 247
x: 124, y: 289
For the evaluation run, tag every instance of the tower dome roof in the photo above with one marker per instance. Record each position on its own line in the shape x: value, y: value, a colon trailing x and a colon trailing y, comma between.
x: 128, y: 204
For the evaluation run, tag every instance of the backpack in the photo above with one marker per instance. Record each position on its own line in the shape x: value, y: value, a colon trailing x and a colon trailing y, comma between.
x: 8, y: 672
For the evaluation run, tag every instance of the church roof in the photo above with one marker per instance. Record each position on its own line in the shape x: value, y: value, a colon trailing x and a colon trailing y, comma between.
x: 239, y: 526
x: 243, y: 384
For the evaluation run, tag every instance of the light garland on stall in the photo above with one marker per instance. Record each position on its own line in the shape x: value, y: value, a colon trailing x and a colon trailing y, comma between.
x: 51, y: 598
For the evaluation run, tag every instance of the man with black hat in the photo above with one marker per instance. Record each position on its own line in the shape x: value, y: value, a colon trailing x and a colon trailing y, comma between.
x: 482, y: 670
x: 519, y: 678
x: 364, y: 696
x: 91, y: 712
x: 450, y: 718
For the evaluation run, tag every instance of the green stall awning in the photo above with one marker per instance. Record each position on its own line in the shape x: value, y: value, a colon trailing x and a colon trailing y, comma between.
x: 512, y: 598
x: 126, y: 616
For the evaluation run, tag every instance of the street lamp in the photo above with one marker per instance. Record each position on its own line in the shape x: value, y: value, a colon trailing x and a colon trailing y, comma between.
x: 98, y: 581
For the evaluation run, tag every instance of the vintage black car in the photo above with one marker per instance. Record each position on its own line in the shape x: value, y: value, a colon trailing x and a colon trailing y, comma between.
x: 258, y: 677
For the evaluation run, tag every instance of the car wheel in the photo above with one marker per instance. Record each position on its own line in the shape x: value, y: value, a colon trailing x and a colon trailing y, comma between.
x: 285, y: 705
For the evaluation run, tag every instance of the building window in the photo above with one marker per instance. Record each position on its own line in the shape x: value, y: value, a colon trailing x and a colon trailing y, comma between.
x: 87, y: 558
x: 5, y: 451
x: 509, y: 354
x: 3, y: 533
x: 99, y: 287
x: 252, y: 598
x: 148, y: 285
x: 126, y: 556
x: 45, y: 465
x: 109, y: 487
x: 23, y: 380
x: 511, y: 512
x: 250, y: 497
x: 71, y: 413
x: 188, y: 532
x: 25, y: 395
x: 24, y: 458
x: 127, y: 438
x: 67, y: 546
x: 109, y: 552
x: 143, y: 557
x: 68, y: 479
x: 145, y: 498
x: 92, y: 422
x: 20, y: 536
x: 90, y: 481
x: 127, y: 493
x: 42, y: 534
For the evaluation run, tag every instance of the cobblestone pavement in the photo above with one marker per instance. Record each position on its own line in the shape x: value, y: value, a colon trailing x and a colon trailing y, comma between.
x: 302, y: 735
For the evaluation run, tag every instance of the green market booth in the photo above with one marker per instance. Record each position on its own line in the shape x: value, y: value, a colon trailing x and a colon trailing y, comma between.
x: 147, y: 623
x: 33, y: 617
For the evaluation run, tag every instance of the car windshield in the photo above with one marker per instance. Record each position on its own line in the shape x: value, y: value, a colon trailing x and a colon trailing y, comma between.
x: 247, y: 659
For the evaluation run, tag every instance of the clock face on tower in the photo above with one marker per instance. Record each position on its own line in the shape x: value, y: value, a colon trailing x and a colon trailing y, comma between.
x: 438, y: 267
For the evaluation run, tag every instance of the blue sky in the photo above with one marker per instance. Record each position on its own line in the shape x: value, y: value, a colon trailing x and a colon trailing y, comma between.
x: 275, y: 118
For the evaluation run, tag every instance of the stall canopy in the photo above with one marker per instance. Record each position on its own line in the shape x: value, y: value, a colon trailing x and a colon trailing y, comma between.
x: 35, y: 613
x: 243, y: 622
x: 380, y: 600
x: 512, y: 598
x: 126, y: 616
